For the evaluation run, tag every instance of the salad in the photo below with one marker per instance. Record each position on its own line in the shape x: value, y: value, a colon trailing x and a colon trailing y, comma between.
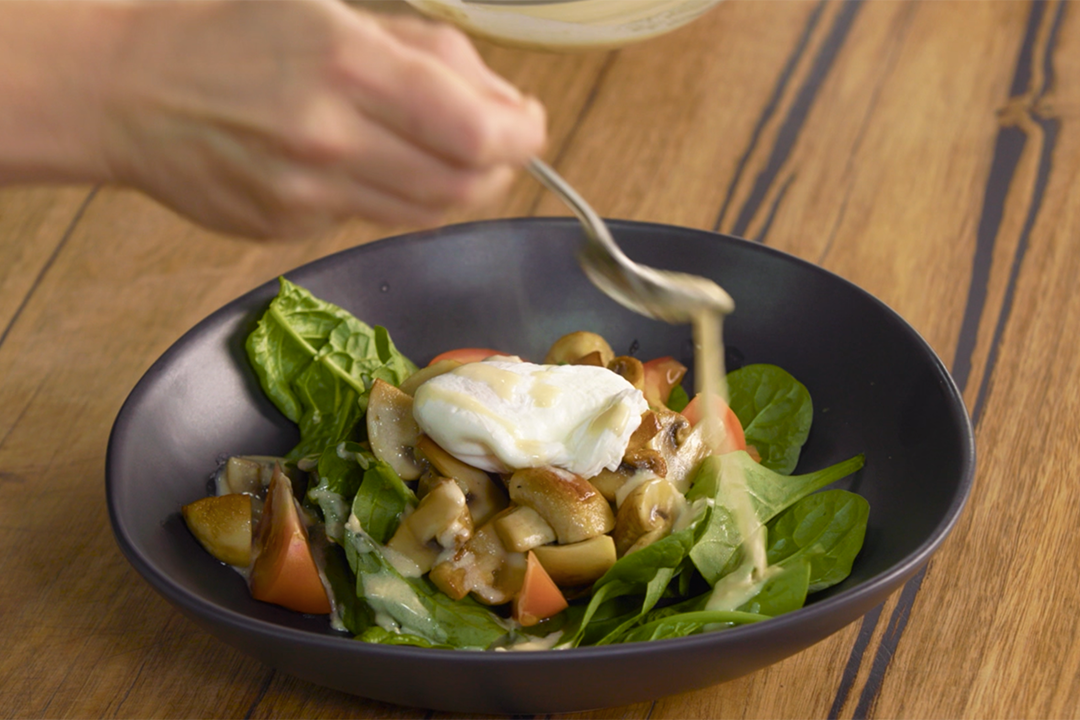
x: 485, y: 502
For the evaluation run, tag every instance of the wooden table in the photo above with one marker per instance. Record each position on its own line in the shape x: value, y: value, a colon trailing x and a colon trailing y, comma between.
x: 924, y: 150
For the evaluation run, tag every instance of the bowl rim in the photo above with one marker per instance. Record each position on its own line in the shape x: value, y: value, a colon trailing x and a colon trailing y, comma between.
x: 855, y: 596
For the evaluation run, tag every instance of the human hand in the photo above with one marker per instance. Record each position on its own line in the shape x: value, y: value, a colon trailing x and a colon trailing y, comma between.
x: 283, y: 118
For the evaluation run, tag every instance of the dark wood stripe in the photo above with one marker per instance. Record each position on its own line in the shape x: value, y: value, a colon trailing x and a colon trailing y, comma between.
x: 773, y: 208
x: 851, y: 670
x: 1049, y: 128
x: 887, y: 648
x: 263, y: 689
x: 48, y: 263
x: 1008, y: 145
x: 793, y: 123
x: 1008, y: 148
x: 770, y: 107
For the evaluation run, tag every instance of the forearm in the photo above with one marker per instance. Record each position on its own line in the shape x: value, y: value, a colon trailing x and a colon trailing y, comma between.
x: 54, y: 66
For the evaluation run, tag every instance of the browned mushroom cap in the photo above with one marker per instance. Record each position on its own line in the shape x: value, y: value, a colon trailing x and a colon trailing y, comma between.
x: 483, y: 567
x: 631, y: 370
x: 392, y: 431
x: 573, y: 508
x: 648, y: 429
x: 569, y: 348
x: 485, y: 498
x: 646, y: 515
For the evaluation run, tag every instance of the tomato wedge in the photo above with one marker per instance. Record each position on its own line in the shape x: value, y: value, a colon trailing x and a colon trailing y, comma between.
x: 466, y: 355
x: 734, y: 437
x: 284, y: 571
x: 539, y: 597
x: 661, y: 376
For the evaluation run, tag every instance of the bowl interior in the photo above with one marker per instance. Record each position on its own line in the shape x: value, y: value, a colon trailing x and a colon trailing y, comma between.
x: 877, y: 387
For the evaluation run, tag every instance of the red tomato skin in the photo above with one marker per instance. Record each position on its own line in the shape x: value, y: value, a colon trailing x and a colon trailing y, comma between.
x: 539, y: 597
x: 466, y: 355
x: 735, y: 438
x: 661, y: 376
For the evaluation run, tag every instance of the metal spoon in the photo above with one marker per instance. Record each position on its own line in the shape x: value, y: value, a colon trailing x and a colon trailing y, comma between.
x: 661, y: 294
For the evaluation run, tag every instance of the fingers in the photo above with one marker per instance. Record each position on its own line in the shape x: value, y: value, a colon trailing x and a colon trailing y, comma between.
x: 435, y: 92
x: 453, y: 48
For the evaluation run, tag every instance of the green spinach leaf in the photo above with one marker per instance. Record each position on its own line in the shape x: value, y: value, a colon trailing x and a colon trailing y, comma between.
x: 716, y: 554
x: 645, y: 572
x: 775, y: 411
x: 317, y: 363
x: 338, y: 475
x: 380, y: 501
x: 825, y: 530
x: 689, y: 623
x: 783, y: 592
x: 413, y: 609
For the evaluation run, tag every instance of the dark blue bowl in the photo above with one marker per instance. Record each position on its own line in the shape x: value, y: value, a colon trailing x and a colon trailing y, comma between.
x: 878, y: 389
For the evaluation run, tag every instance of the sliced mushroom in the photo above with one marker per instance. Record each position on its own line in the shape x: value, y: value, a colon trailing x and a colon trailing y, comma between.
x: 392, y: 431
x: 573, y: 508
x: 250, y: 474
x: 569, y: 348
x: 683, y: 448
x: 484, y: 497
x: 483, y: 567
x: 631, y: 370
x: 581, y: 563
x: 634, y: 462
x: 646, y: 515
x: 648, y: 429
x: 521, y: 529
x: 422, y: 375
x: 409, y: 555
x: 595, y: 358
x: 442, y: 516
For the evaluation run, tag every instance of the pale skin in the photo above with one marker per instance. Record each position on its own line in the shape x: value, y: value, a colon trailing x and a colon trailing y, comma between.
x: 265, y: 119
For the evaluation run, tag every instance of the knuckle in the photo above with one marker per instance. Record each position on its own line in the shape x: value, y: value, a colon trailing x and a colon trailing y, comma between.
x: 479, y: 139
x: 320, y: 134
x: 449, y: 43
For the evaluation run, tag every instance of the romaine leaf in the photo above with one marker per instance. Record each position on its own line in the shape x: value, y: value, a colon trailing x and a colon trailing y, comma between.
x: 825, y: 530
x: 317, y: 363
x: 775, y: 411
x: 770, y: 493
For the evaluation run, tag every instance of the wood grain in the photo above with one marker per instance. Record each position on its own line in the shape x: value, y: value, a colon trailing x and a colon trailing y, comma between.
x: 927, y: 151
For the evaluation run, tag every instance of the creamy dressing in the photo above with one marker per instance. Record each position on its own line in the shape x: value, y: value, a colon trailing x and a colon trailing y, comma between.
x: 502, y: 382
x: 746, y: 581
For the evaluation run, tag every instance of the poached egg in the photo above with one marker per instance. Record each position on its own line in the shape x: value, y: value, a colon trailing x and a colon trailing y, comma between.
x: 503, y: 414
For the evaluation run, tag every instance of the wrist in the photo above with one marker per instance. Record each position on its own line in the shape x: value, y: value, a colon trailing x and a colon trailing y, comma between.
x: 57, y: 60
